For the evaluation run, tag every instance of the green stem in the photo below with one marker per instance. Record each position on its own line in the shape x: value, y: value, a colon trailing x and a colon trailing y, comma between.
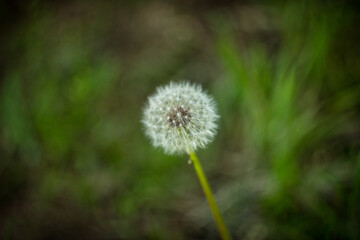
x: 224, y: 232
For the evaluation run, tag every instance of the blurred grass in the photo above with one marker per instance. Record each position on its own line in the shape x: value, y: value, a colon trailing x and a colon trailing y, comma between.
x: 74, y: 161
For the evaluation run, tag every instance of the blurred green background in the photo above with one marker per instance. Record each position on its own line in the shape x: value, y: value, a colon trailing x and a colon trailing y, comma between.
x: 75, y: 75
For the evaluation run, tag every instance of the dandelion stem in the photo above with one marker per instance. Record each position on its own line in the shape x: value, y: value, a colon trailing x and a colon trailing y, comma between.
x: 224, y: 232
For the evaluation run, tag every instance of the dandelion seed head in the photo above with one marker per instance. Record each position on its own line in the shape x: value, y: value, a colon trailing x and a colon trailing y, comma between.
x: 180, y: 117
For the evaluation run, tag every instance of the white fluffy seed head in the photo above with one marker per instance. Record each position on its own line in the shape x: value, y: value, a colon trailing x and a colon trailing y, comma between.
x: 180, y: 117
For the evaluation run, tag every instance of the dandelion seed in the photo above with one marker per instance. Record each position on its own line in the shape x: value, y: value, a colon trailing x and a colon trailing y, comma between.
x: 189, y: 118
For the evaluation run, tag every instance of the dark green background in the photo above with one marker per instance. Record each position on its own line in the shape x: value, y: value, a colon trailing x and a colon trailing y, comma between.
x: 75, y: 75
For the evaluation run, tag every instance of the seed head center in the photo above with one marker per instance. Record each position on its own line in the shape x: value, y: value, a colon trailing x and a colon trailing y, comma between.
x: 179, y: 117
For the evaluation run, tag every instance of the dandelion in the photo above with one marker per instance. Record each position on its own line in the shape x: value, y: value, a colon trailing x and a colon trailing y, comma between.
x: 181, y: 118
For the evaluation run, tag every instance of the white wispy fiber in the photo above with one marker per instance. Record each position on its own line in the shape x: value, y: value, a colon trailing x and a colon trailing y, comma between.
x: 180, y: 117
